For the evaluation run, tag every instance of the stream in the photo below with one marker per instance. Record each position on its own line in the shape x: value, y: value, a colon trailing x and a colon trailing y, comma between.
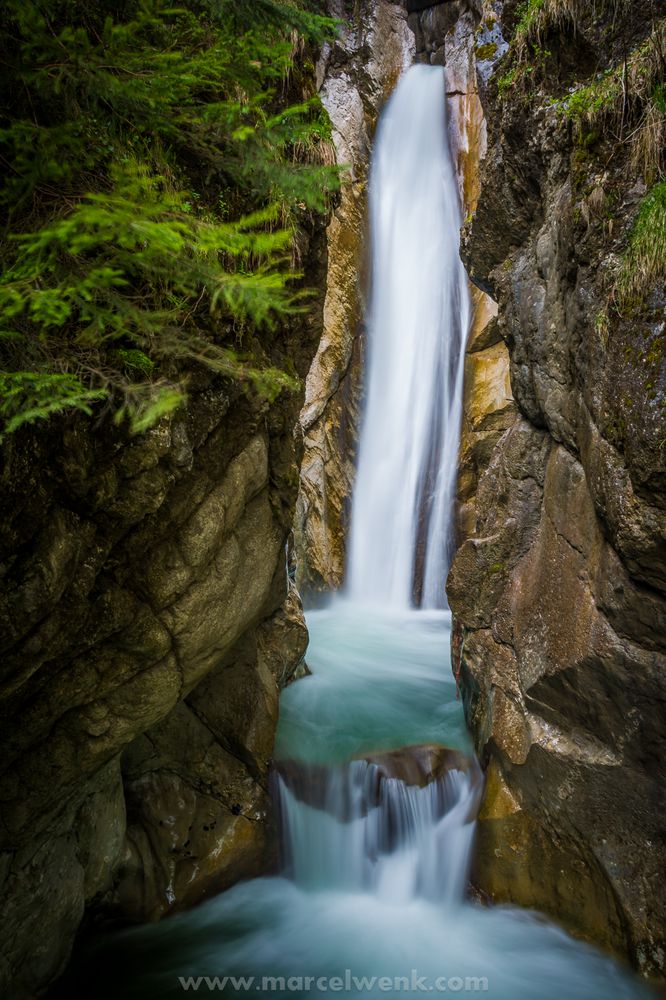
x: 373, y: 898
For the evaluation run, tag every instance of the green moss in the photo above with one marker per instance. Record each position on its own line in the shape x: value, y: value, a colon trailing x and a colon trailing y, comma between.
x: 588, y: 140
x: 509, y: 79
x: 135, y: 361
x: 655, y: 353
x: 594, y: 99
x: 486, y: 51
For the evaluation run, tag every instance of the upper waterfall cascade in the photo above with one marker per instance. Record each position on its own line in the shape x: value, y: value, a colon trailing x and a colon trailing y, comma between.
x: 419, y: 316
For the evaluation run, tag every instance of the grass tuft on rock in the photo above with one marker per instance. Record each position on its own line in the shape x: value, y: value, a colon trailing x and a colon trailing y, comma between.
x: 644, y: 261
x: 537, y: 18
x: 628, y: 102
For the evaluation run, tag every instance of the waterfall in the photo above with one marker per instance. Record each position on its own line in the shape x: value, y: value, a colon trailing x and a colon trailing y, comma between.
x: 351, y: 826
x: 401, y: 526
x: 379, y: 834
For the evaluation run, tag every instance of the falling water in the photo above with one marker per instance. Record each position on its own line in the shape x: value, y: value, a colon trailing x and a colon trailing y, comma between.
x: 373, y: 884
x: 380, y: 681
x: 381, y: 834
x: 419, y: 316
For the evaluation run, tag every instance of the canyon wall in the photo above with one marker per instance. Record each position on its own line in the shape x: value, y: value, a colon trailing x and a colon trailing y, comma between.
x: 558, y: 588
x: 148, y: 618
x: 148, y: 624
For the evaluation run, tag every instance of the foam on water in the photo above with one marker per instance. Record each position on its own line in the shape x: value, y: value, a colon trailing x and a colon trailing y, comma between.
x: 373, y: 886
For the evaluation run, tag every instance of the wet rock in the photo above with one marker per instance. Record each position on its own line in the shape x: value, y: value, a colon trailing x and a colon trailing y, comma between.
x: 283, y: 640
x: 196, y: 797
x: 328, y: 788
x: 488, y: 408
x: 420, y: 765
x: 557, y: 589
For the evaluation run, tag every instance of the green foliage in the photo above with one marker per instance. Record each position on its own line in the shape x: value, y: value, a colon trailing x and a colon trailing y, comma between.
x: 515, y: 76
x: 535, y: 19
x: 144, y: 405
x: 28, y: 396
x: 538, y: 17
x: 658, y: 98
x: 156, y: 173
x: 530, y: 14
x: 595, y: 98
x: 507, y: 80
x: 644, y: 262
x: 135, y: 360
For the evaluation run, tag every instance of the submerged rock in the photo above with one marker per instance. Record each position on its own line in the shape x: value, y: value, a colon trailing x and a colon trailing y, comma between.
x: 421, y: 765
x: 416, y: 766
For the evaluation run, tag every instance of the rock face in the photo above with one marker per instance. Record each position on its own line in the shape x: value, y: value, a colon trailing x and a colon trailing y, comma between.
x: 558, y: 589
x: 454, y: 35
x: 147, y: 626
x: 357, y: 74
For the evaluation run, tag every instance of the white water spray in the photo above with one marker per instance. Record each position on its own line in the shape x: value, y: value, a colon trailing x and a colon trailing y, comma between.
x: 367, y: 832
x: 419, y: 316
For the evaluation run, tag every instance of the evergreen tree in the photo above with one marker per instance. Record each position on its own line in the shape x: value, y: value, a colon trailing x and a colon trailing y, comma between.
x: 154, y: 175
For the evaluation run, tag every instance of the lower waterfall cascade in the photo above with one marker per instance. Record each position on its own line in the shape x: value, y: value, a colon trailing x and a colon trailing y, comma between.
x: 372, y: 894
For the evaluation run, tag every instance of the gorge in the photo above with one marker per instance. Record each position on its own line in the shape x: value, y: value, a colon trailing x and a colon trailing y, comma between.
x: 177, y: 732
x: 375, y: 857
